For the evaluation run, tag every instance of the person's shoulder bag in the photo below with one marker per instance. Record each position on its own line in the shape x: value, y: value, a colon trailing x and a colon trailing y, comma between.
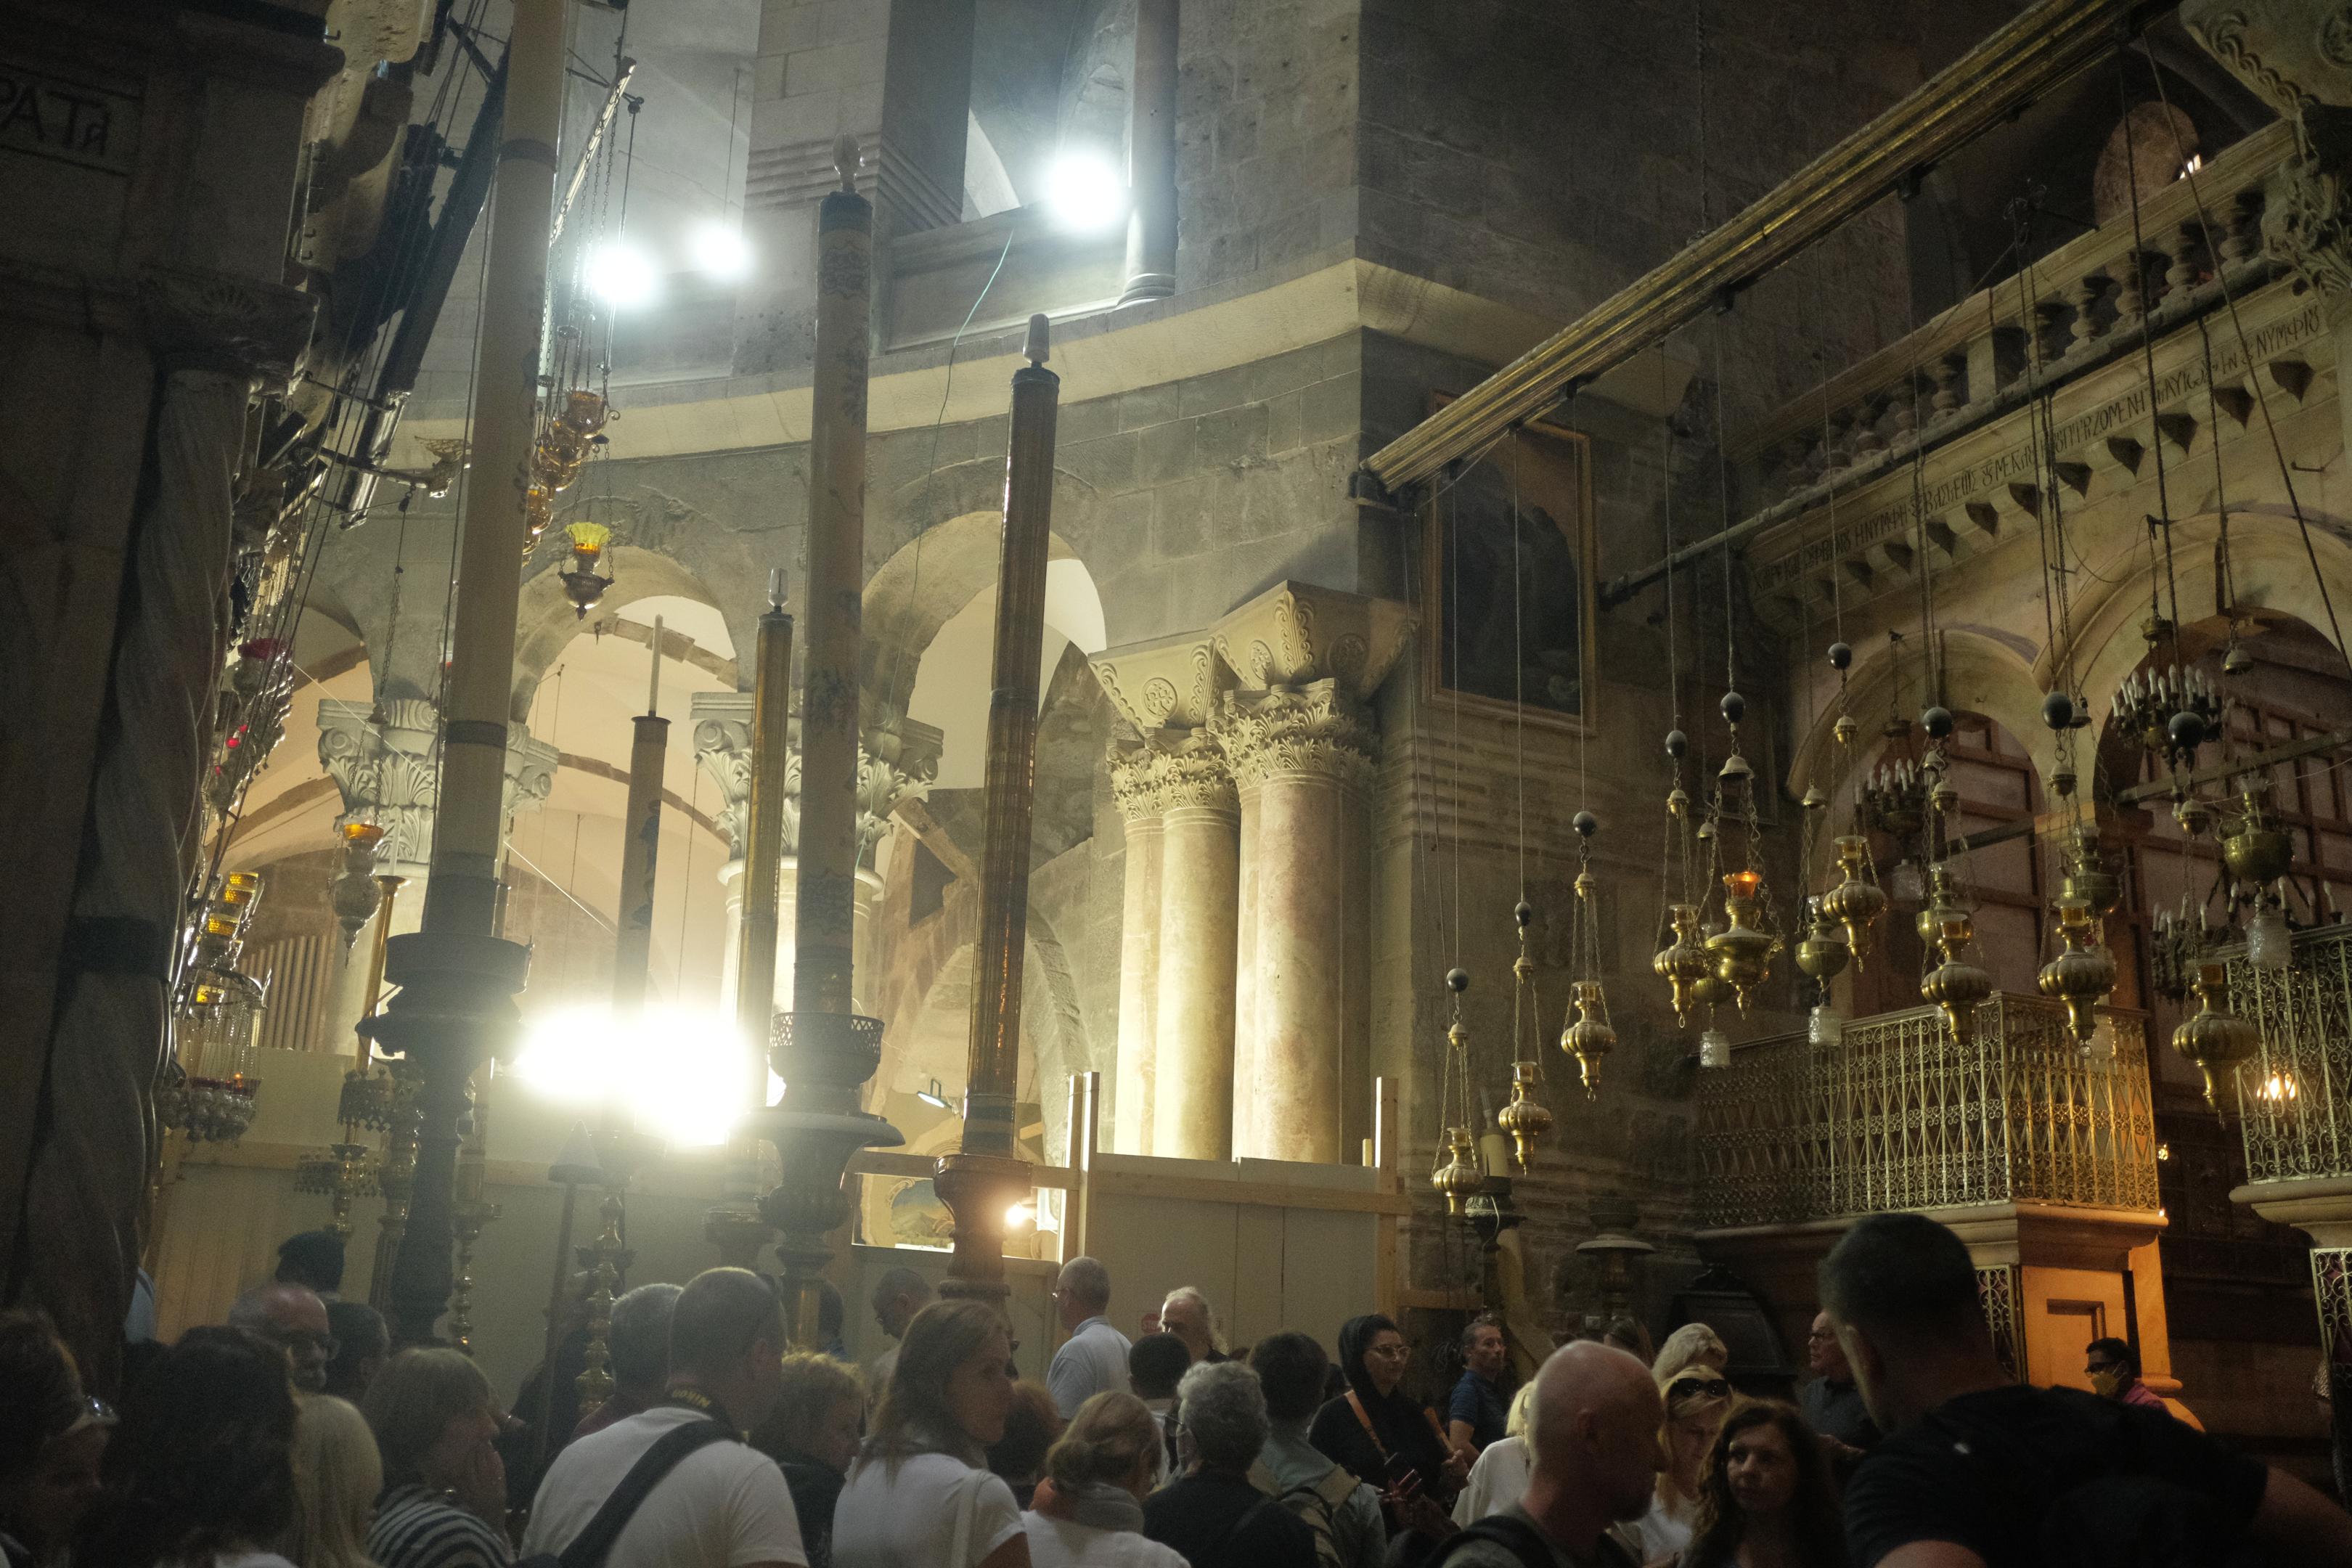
x: 593, y: 1545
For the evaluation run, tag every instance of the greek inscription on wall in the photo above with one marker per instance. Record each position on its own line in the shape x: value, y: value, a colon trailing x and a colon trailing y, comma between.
x: 50, y: 116
x: 2017, y: 464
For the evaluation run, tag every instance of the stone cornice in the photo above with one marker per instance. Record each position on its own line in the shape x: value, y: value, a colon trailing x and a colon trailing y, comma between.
x: 1293, y: 634
x: 1317, y: 730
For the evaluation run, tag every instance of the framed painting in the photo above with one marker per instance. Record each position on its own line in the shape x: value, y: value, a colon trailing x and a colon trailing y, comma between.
x: 1507, y: 581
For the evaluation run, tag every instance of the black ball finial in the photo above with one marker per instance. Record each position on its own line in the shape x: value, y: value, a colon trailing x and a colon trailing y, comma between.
x: 1523, y: 913
x: 1936, y: 721
x: 1676, y: 743
x: 2186, y: 729
x: 2058, y: 710
x: 1840, y: 655
x: 1585, y: 823
x: 1457, y: 981
x: 1733, y: 706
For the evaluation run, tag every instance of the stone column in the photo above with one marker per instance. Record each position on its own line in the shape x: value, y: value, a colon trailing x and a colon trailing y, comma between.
x: 1303, y: 755
x: 1151, y: 155
x: 896, y: 759
x: 1133, y: 786
x: 1192, y: 1113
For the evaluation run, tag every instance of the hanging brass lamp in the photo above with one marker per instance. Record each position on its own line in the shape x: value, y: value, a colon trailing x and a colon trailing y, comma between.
x: 2089, y: 877
x: 1857, y: 901
x: 1459, y: 1178
x: 1591, y: 1038
x: 1822, y: 952
x: 1956, y: 985
x: 1742, y: 953
x: 582, y: 583
x: 2084, y: 974
x: 2256, y: 848
x: 1525, y: 1119
x: 1683, y: 962
x: 2213, y: 1038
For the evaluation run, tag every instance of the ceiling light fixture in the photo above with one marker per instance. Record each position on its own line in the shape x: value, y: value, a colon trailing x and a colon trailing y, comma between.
x: 623, y: 277
x: 1084, y: 192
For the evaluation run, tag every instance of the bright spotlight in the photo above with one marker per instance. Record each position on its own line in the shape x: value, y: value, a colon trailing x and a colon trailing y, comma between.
x: 623, y: 277
x: 720, y: 251
x: 1086, y: 192
x: 935, y: 1097
x: 1020, y: 1216
x: 679, y: 1070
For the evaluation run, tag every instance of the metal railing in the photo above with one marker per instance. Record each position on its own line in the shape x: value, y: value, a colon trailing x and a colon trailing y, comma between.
x: 2296, y: 1093
x: 1899, y: 1116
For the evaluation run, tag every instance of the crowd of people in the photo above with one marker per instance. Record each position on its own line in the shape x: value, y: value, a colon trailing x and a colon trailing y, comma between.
x: 286, y: 1437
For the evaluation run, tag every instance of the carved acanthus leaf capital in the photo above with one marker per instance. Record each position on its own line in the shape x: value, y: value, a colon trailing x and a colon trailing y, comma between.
x: 2307, y: 213
x: 239, y: 325
x: 897, y: 759
x: 383, y: 760
x: 1314, y: 729
x: 1171, y: 770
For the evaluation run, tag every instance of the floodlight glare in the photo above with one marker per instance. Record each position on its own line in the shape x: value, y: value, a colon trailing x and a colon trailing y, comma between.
x: 722, y: 251
x: 1084, y: 192
x: 678, y: 1070
x: 623, y: 277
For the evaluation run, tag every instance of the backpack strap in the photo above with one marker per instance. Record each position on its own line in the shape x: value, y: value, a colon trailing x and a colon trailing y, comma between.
x: 593, y: 1545
x: 1516, y: 1536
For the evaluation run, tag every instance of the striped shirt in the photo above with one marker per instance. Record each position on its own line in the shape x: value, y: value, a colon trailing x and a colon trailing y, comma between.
x: 419, y: 1527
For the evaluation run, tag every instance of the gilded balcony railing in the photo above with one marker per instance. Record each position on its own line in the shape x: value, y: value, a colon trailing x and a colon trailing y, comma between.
x: 1898, y: 1116
x: 2295, y: 1094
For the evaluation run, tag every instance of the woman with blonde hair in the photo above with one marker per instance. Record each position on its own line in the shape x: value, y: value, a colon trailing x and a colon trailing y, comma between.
x: 1697, y: 1400
x: 336, y: 1474
x: 1089, y: 1514
x: 1500, y: 1477
x: 920, y: 1491
x: 811, y: 1434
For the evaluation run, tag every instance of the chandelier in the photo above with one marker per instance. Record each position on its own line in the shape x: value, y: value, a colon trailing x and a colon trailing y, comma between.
x: 217, y: 1024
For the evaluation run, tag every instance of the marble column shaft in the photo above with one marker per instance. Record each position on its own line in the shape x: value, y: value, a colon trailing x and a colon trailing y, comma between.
x: 1199, y: 850
x: 1302, y: 760
x: 1139, y: 953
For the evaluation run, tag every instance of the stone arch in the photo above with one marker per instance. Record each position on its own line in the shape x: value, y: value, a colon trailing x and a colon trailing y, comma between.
x: 1982, y: 674
x: 2268, y: 564
x: 546, y: 621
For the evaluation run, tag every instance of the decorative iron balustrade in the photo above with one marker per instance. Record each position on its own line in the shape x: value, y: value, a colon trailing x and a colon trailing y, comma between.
x: 1899, y: 1116
x: 2292, y: 1095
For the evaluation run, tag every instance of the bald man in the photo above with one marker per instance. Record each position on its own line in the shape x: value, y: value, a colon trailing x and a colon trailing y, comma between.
x: 1595, y: 1437
x: 292, y: 1317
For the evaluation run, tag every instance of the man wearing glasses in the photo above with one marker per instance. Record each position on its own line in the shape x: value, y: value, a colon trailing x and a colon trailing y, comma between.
x: 1832, y: 1403
x: 1094, y: 1359
x: 292, y: 1317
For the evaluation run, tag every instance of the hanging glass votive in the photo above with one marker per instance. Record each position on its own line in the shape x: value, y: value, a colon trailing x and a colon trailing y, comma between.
x: 1713, y: 1047
x: 2269, y: 946
x: 1825, y: 1025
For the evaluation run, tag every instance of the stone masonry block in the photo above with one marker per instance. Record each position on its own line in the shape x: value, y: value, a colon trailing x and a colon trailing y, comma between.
x: 1106, y: 464
x: 843, y: 20
x: 1282, y: 422
x: 1150, y: 406
x: 1088, y: 421
x: 1165, y: 452
x: 1330, y: 410
x: 1180, y: 524
x: 1220, y: 389
x: 788, y: 25
x: 844, y: 65
x: 1231, y: 436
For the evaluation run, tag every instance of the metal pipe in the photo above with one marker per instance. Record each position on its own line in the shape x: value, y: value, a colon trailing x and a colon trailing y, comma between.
x: 1152, y: 157
x: 983, y: 1177
x: 457, y: 978
x: 2034, y: 52
x: 763, y: 835
x: 640, y: 847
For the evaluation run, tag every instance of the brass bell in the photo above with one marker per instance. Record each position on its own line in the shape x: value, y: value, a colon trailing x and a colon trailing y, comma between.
x: 2083, y: 976
x: 2213, y: 1038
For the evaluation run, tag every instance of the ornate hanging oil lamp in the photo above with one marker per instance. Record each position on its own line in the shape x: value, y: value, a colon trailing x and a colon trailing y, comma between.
x: 1956, y: 985
x: 1822, y: 955
x: 1683, y: 962
x: 2256, y: 848
x: 1857, y: 901
x: 2084, y: 974
x: 1523, y: 1118
x: 1458, y: 1180
x: 582, y: 583
x: 1742, y: 952
x: 353, y: 894
x: 1457, y: 1176
x: 2213, y: 1038
x: 1590, y: 1037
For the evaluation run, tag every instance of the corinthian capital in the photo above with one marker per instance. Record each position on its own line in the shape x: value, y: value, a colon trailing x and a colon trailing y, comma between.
x: 897, y: 758
x: 1314, y: 729
x: 386, y: 765
x: 1171, y: 770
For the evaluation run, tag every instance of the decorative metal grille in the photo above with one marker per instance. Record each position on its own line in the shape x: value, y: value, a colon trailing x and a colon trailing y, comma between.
x: 2297, y: 1119
x: 1898, y: 1116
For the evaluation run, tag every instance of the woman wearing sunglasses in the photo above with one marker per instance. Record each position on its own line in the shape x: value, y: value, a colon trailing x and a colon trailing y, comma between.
x: 1697, y: 1400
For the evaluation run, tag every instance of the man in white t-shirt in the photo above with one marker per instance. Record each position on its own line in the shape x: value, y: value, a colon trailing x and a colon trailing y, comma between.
x: 725, y: 1505
x: 1094, y: 1359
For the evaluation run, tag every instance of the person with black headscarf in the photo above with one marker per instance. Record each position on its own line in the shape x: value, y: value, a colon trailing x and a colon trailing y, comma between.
x: 1383, y: 1435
